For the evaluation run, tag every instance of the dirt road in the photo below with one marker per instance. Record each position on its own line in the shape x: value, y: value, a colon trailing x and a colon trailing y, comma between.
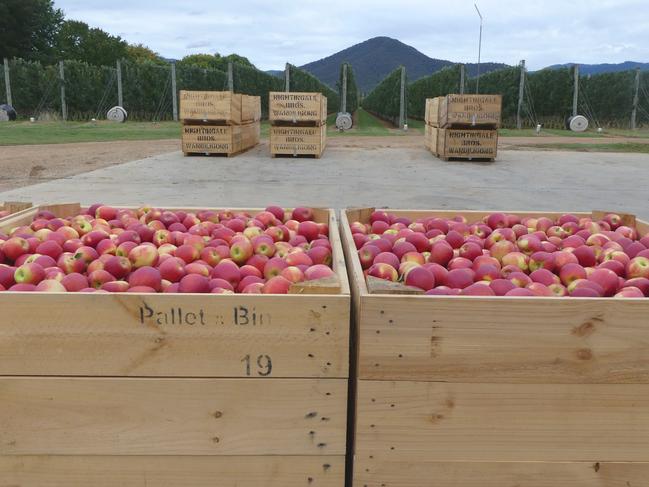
x: 31, y: 164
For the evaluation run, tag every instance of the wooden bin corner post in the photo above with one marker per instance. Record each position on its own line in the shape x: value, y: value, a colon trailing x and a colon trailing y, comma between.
x: 497, y: 391
x: 175, y: 390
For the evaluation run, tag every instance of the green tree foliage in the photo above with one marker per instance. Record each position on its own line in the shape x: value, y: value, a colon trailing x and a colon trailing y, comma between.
x: 301, y: 81
x: 384, y: 101
x: 34, y: 87
x: 352, y: 88
x: 503, y: 82
x: 251, y: 81
x: 139, y: 52
x: 444, y: 81
x: 607, y: 96
x: 214, y: 61
x: 76, y: 40
x: 29, y: 29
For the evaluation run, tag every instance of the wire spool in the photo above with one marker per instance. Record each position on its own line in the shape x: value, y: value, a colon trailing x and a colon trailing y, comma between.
x: 117, y: 114
x: 344, y: 121
x: 578, y: 123
x: 7, y: 113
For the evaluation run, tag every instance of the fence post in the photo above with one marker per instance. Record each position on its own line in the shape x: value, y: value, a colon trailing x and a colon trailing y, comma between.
x: 64, y: 107
x: 230, y: 77
x: 636, y: 100
x: 402, y: 100
x: 575, y: 93
x: 343, y: 102
x: 8, y: 83
x: 521, y: 92
x: 461, y: 79
x: 120, y: 91
x: 287, y: 78
x: 174, y: 92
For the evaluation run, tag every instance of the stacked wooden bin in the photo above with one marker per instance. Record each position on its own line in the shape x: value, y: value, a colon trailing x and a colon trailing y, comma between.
x: 219, y: 122
x: 175, y: 390
x: 465, y: 391
x: 10, y: 207
x: 298, y: 124
x: 463, y: 126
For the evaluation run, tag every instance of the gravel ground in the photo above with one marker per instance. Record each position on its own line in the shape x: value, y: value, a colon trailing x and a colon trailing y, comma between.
x: 382, y: 171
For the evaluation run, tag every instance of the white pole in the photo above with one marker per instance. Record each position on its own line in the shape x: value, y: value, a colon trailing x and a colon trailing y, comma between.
x: 8, y: 83
x: 636, y: 100
x: 402, y: 99
x: 120, y: 91
x: 521, y: 91
x: 477, y: 83
x: 230, y: 77
x: 575, y: 93
x: 64, y: 107
x: 174, y: 92
x: 343, y: 103
x: 461, y: 79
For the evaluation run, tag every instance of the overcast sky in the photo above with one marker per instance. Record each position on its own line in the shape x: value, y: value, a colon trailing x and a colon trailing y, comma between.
x: 272, y: 32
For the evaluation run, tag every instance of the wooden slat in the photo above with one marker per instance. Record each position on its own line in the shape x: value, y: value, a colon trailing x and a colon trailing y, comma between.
x: 15, y: 206
x: 327, y: 285
x: 534, y: 340
x: 381, y: 472
x: 172, y: 471
x: 144, y: 335
x: 420, y: 421
x: 382, y: 286
x: 92, y: 416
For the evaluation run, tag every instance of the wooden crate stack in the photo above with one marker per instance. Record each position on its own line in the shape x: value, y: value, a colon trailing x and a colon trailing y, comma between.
x: 10, y: 207
x: 457, y: 391
x: 463, y: 126
x: 175, y: 390
x: 298, y: 124
x: 219, y: 122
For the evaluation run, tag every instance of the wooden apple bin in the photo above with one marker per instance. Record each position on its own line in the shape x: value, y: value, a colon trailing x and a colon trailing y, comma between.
x: 175, y: 390
x: 457, y: 391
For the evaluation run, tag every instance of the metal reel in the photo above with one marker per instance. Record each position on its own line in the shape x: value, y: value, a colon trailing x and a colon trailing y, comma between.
x: 344, y: 121
x: 578, y: 123
x: 117, y: 114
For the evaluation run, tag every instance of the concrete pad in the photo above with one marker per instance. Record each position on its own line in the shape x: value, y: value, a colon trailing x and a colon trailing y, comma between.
x: 356, y: 176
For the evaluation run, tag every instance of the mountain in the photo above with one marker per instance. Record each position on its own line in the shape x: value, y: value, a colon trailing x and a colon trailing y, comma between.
x: 604, y: 68
x: 275, y: 72
x: 375, y: 58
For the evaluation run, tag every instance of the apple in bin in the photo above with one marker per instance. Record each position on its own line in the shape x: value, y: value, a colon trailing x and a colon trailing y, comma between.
x: 507, y: 255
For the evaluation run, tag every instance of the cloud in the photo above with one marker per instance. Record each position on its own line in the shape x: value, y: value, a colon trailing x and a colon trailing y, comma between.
x: 272, y: 33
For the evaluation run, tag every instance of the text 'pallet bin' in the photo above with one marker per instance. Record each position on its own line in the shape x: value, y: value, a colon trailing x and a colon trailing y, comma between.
x: 175, y: 390
x: 463, y: 126
x: 298, y: 124
x: 219, y: 122
x: 457, y: 391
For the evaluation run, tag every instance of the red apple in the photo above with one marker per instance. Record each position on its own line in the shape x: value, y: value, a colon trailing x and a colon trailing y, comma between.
x: 638, y: 267
x: 383, y: 271
x: 421, y: 278
x: 277, y: 285
x: 29, y: 274
x: 145, y: 276
x: 571, y: 272
x: 74, y: 282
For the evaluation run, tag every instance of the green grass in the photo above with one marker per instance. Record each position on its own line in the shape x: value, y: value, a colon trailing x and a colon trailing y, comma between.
x: 367, y: 124
x: 631, y: 147
x: 640, y: 134
x: 26, y: 133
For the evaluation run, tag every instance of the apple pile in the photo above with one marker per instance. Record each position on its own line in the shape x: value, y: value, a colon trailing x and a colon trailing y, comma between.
x: 4, y: 213
x: 506, y: 255
x: 150, y: 250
